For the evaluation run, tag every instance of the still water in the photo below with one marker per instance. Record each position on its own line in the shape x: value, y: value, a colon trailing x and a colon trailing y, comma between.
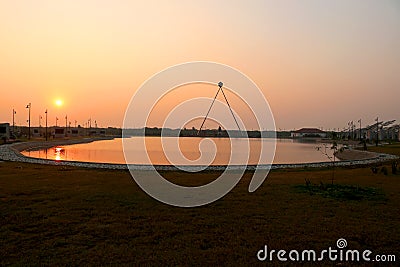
x: 218, y: 149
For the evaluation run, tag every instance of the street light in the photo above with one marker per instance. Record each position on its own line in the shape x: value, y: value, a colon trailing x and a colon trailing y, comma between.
x: 348, y: 131
x: 29, y: 120
x: 377, y: 131
x: 14, y: 112
x: 46, y: 123
x: 66, y: 125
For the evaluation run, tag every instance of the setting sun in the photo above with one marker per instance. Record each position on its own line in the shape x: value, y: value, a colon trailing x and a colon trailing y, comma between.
x: 59, y: 102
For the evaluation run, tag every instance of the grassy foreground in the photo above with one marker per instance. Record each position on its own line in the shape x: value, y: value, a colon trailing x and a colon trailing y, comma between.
x: 52, y: 215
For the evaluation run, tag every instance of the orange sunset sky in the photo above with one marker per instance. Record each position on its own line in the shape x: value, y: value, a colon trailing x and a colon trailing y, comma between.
x: 318, y: 63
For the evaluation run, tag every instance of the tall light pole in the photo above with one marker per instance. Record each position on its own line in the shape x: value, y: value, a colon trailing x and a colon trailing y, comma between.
x: 377, y: 131
x: 360, y: 128
x: 348, y: 130
x: 352, y: 130
x: 89, y: 126
x: 66, y: 125
x: 56, y: 121
x: 29, y: 120
x: 14, y: 112
x: 46, y: 123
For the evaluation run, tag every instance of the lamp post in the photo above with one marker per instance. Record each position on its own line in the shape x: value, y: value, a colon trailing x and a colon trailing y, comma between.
x: 360, y: 128
x: 29, y: 120
x: 56, y: 121
x: 90, y: 126
x: 377, y: 131
x: 66, y: 125
x: 46, y: 123
x: 348, y: 131
x: 14, y: 112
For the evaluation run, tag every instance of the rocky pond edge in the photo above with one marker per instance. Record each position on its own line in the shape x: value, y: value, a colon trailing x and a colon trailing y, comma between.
x: 12, y: 152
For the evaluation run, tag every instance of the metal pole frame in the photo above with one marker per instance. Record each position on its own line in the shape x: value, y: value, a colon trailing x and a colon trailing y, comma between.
x: 220, y: 84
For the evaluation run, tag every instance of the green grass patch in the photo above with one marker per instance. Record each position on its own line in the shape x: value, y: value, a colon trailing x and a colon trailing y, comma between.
x: 343, y: 192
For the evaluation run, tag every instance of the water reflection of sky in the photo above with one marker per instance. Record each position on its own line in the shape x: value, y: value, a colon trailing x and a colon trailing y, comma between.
x: 110, y: 151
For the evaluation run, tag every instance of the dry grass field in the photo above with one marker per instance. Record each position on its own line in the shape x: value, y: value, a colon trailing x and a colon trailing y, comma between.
x: 53, y: 215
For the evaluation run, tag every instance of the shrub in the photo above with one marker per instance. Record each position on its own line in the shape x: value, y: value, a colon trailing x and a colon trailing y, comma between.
x: 384, y: 170
x: 394, y: 167
x: 374, y: 169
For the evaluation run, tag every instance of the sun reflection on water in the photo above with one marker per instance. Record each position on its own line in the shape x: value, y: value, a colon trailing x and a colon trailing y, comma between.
x: 59, y: 153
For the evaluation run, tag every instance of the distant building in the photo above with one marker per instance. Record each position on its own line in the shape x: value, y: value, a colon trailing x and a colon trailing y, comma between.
x: 308, y: 132
x: 74, y: 132
x: 4, y: 131
x: 59, y: 132
x: 36, y: 132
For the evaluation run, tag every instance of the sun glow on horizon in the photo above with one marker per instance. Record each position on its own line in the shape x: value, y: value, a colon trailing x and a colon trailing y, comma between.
x: 87, y: 58
x: 58, y: 102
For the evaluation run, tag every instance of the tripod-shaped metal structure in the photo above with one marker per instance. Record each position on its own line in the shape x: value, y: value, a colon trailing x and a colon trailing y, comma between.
x: 220, y: 84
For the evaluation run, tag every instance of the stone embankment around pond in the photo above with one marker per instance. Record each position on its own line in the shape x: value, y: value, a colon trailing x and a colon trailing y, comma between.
x: 12, y: 152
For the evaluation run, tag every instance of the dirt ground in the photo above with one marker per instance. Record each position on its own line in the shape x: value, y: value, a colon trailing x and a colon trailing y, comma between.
x: 53, y: 215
